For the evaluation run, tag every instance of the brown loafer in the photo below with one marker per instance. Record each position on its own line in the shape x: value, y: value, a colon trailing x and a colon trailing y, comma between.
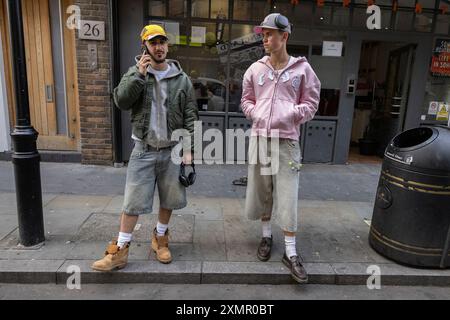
x: 298, y: 272
x: 264, y: 249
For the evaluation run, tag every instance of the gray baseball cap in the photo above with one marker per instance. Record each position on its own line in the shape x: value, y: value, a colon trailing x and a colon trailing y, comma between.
x: 274, y: 21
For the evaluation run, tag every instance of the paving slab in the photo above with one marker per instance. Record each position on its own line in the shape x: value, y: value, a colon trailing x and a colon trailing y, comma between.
x: 136, y: 272
x: 257, y: 273
x: 105, y: 227
x: 390, y: 274
x: 29, y: 271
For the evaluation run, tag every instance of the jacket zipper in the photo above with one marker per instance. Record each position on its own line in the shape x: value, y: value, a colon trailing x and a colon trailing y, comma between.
x: 274, y: 94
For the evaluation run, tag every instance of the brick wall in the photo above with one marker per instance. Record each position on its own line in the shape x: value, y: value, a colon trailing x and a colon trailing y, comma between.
x: 94, y: 88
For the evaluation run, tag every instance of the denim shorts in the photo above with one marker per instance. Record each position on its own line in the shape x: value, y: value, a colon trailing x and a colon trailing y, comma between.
x: 147, y: 168
x: 274, y: 195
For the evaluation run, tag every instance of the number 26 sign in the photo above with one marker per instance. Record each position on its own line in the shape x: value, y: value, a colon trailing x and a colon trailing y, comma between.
x: 92, y: 30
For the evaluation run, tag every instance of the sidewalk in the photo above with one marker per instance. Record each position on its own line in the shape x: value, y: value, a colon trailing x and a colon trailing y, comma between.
x: 211, y: 240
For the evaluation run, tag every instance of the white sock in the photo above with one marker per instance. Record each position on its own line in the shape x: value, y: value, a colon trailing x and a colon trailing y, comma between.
x: 290, y: 246
x: 161, y: 229
x: 266, y: 229
x: 123, y: 238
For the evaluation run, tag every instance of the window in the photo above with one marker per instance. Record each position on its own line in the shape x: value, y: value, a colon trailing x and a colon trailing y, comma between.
x: 329, y: 71
x: 200, y: 8
x: 300, y: 14
x: 246, y: 48
x: 157, y: 8
x: 442, y: 24
x: 254, y: 10
x: 437, y: 90
x: 403, y: 20
x: 341, y: 16
x: 204, y: 59
x: 219, y: 9
x: 423, y: 22
x: 178, y: 8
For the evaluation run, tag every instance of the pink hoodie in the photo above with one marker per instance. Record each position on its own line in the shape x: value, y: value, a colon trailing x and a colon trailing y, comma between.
x: 281, y: 103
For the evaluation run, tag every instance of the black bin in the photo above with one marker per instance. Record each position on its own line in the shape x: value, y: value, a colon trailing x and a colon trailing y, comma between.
x: 411, y: 216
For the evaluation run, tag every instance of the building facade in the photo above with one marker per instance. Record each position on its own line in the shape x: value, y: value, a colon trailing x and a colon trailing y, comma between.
x: 375, y: 82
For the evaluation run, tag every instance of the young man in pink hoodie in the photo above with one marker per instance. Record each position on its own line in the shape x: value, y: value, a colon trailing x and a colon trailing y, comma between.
x: 280, y: 92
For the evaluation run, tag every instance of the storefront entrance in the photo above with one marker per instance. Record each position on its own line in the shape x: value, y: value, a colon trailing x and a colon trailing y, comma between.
x: 381, y: 96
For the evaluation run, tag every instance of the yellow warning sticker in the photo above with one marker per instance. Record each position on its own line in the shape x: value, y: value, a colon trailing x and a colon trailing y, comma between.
x: 442, y: 114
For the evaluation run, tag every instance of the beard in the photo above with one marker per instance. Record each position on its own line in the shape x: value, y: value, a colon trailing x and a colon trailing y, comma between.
x: 158, y: 61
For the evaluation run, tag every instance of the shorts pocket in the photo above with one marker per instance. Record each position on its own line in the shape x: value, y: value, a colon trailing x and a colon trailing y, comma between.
x: 137, y: 153
x: 294, y: 150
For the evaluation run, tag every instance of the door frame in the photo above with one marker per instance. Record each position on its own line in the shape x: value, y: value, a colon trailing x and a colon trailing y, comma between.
x: 5, y: 138
x: 7, y: 63
x: 64, y: 142
x: 410, y: 49
x: 351, y: 66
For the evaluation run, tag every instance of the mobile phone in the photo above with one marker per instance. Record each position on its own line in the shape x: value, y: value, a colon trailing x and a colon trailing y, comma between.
x: 145, y: 49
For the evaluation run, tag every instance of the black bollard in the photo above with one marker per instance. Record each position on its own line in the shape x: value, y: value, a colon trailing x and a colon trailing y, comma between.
x: 25, y: 158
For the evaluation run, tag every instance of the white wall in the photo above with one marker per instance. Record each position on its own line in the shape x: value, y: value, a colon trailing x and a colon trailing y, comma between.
x: 4, y: 116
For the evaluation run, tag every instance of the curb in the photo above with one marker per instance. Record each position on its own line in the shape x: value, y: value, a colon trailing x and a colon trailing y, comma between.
x: 216, y: 272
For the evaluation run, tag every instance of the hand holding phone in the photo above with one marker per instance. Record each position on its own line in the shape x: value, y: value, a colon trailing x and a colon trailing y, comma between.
x: 144, y: 62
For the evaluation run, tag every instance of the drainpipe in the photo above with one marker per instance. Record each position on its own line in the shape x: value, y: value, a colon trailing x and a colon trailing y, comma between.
x: 115, y: 79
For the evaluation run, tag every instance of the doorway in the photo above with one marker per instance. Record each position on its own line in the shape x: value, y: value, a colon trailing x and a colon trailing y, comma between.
x: 381, y: 97
x: 51, y: 73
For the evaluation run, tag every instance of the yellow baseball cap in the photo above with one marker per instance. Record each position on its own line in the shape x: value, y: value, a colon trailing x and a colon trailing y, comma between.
x: 151, y: 31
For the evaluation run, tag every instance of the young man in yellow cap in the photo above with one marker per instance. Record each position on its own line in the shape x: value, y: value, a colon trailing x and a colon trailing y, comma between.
x: 161, y: 99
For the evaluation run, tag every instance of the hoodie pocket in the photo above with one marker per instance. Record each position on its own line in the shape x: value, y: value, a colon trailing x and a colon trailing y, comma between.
x: 260, y: 113
x: 283, y: 117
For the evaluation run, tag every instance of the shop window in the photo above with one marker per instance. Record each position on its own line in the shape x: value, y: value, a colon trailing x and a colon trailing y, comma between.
x: 437, y: 90
x: 384, y: 3
x: 403, y: 20
x: 200, y: 8
x: 176, y: 32
x: 427, y: 4
x: 203, y: 56
x: 254, y: 10
x: 242, y: 10
x: 329, y: 71
x: 442, y: 24
x: 322, y: 16
x: 359, y: 17
x: 261, y: 8
x: 406, y: 3
x: 341, y: 16
x: 219, y: 9
x: 246, y: 48
x: 300, y: 14
x: 178, y: 8
x: 332, y: 15
x: 157, y: 8
x: 423, y: 22
x: 298, y: 50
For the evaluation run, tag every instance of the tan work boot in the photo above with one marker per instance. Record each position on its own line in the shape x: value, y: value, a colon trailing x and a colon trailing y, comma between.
x: 161, y: 247
x: 115, y: 258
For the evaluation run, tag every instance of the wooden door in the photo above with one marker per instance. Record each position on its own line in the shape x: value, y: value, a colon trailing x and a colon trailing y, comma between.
x: 6, y: 45
x: 41, y: 82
